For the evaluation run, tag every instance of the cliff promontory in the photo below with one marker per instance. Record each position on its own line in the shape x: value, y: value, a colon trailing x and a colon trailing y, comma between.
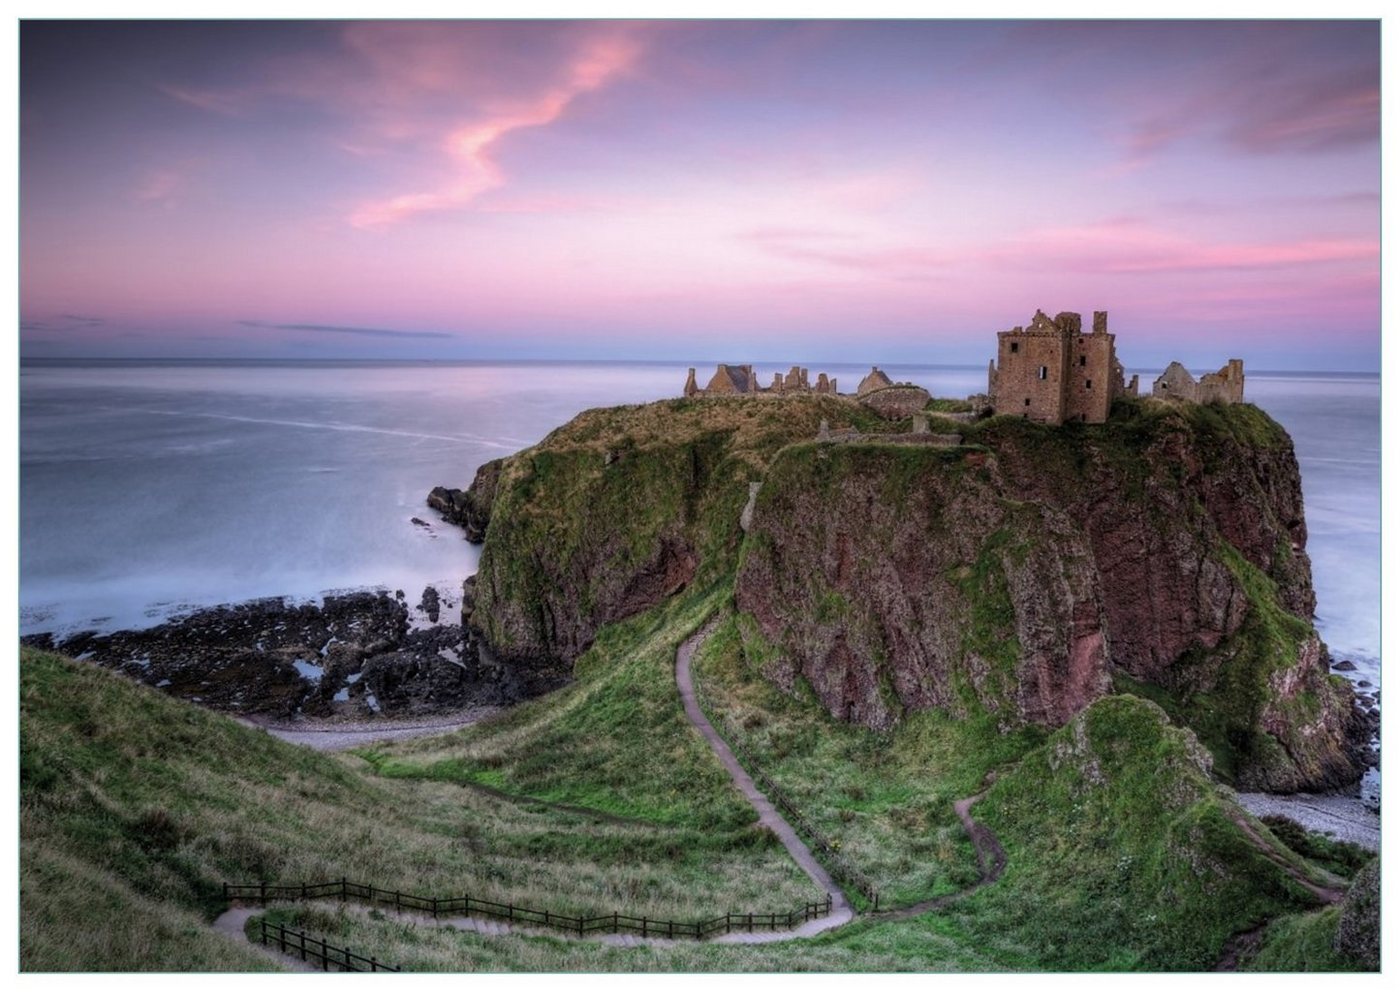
x: 1024, y: 571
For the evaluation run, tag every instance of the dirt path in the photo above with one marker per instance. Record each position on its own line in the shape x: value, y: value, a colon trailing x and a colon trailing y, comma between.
x: 991, y: 862
x: 344, y: 736
x: 768, y: 815
x: 230, y: 923
x: 1242, y: 945
x: 1324, y: 894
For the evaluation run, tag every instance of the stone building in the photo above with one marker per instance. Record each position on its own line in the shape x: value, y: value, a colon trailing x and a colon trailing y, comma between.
x: 891, y: 400
x: 875, y: 380
x: 1225, y: 386
x: 1050, y: 371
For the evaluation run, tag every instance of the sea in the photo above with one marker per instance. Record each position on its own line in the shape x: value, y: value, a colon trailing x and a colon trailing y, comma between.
x: 151, y: 488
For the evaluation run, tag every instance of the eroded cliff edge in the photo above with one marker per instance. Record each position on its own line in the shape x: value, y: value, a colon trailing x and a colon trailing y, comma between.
x: 1025, y: 571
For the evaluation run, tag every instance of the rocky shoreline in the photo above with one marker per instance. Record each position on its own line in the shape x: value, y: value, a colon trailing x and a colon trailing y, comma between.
x: 361, y: 656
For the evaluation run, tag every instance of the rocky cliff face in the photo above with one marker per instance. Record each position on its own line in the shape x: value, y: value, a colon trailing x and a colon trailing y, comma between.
x: 1162, y: 551
x: 1026, y: 572
x: 619, y: 509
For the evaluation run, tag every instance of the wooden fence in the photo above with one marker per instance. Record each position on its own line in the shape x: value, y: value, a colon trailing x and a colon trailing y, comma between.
x: 467, y: 905
x: 314, y: 950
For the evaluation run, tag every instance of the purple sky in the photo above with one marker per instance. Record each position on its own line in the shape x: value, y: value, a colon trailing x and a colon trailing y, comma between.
x: 882, y: 191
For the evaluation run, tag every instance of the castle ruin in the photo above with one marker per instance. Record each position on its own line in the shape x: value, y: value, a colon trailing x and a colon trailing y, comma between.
x: 1225, y: 386
x: 739, y: 380
x: 1050, y: 371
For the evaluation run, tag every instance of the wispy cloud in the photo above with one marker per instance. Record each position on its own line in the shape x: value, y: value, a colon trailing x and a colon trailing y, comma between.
x: 368, y: 332
x: 161, y: 186
x: 1130, y: 245
x: 1259, y: 109
x: 60, y: 323
x: 845, y: 250
x: 448, y: 98
x: 472, y: 146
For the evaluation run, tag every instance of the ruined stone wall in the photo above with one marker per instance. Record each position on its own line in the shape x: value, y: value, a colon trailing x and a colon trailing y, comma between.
x: 1225, y: 386
x: 897, y: 402
x: 741, y: 380
x: 729, y: 380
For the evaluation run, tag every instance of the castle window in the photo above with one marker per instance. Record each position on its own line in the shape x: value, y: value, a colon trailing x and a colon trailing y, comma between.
x: 1088, y: 383
x: 1081, y: 361
x: 1028, y: 401
x: 1044, y: 371
x: 1015, y: 347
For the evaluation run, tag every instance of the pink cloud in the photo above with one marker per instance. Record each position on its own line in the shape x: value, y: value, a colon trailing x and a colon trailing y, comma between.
x: 844, y: 250
x: 472, y: 146
x: 445, y: 95
x: 1126, y: 245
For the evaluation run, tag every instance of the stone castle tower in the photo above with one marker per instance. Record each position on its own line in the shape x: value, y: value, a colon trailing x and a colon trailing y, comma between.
x: 1052, y: 372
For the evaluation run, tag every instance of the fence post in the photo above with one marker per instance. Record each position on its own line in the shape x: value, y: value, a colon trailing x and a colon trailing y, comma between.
x: 344, y: 887
x: 750, y: 923
x: 510, y: 911
x: 644, y: 926
x: 373, y: 963
x: 262, y: 886
x: 398, y: 901
x: 580, y: 924
x: 262, y: 923
x: 325, y: 956
x: 303, y: 946
x: 546, y: 917
x: 303, y: 890
x: 615, y: 921
x: 282, y: 938
x: 434, y: 907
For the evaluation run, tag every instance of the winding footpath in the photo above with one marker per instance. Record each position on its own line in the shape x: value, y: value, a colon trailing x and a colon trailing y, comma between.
x: 991, y: 859
x: 768, y: 815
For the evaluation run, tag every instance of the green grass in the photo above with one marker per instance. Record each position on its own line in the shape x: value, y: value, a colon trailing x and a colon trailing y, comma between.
x: 885, y: 799
x: 152, y: 804
x: 420, y: 946
x: 1122, y: 853
x: 1302, y: 942
x: 1339, y: 857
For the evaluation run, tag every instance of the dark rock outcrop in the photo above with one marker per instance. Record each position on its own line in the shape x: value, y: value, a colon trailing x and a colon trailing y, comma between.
x: 469, y: 509
x: 352, y: 655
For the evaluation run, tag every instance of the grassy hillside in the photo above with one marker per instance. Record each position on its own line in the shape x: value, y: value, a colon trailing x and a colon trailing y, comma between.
x: 135, y: 807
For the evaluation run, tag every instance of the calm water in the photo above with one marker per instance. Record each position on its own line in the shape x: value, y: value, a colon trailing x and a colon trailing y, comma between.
x: 148, y: 487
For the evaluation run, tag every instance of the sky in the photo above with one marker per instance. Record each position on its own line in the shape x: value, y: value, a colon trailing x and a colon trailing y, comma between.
x: 683, y: 190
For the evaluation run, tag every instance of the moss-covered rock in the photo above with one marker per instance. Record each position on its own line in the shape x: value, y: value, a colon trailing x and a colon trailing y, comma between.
x: 1359, y: 924
x: 1121, y: 851
x: 1015, y: 573
x: 1164, y: 547
x: 622, y: 507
